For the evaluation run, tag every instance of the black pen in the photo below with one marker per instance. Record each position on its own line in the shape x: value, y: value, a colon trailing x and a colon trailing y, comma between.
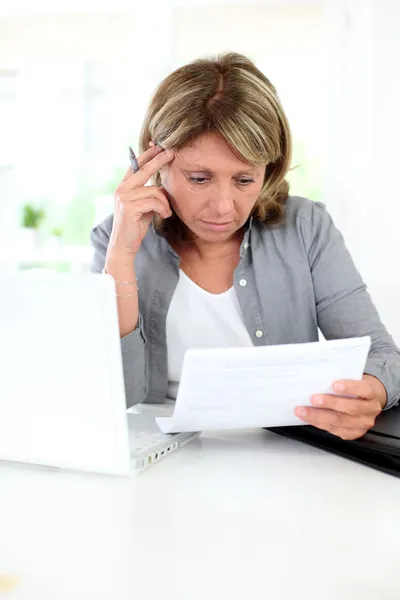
x: 133, y: 159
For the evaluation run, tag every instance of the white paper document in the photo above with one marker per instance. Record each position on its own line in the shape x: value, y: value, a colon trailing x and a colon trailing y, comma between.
x: 235, y: 388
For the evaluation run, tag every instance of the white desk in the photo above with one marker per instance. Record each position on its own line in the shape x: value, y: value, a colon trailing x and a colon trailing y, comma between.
x: 249, y: 515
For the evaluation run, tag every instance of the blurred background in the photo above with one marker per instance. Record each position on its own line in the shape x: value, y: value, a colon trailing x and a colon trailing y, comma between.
x: 76, y: 77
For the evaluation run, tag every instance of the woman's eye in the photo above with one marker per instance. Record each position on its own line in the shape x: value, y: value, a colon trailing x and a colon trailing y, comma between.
x: 198, y: 179
x: 245, y: 181
x: 242, y: 181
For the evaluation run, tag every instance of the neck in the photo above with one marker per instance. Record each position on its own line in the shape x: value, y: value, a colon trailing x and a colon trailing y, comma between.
x: 214, y: 251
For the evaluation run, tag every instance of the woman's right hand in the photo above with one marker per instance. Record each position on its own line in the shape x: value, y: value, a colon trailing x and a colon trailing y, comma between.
x: 135, y: 203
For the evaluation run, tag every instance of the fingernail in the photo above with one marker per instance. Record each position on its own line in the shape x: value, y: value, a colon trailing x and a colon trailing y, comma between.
x: 339, y: 387
x: 301, y: 412
x: 317, y: 400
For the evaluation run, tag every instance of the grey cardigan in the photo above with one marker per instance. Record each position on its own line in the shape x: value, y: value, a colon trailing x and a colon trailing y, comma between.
x: 294, y: 278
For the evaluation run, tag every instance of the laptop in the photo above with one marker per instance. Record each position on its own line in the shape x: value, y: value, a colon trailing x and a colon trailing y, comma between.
x: 379, y: 448
x: 62, y: 401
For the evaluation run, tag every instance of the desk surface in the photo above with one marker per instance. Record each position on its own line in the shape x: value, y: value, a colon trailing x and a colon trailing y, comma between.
x: 239, y: 515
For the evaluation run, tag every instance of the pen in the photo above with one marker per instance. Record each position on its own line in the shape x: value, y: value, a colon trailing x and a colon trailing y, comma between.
x: 133, y: 159
x: 134, y: 162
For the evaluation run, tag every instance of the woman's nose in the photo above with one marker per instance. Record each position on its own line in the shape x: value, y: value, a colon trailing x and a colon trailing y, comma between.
x: 224, y: 201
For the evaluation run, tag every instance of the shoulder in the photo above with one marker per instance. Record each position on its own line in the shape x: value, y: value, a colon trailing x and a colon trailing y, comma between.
x: 311, y: 223
x: 303, y: 212
x: 306, y: 227
x: 303, y: 218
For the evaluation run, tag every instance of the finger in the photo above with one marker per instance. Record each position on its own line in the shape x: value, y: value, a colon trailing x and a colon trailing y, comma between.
x: 349, y: 387
x: 326, y: 419
x: 348, y: 434
x: 128, y: 174
x: 151, y: 167
x: 148, y: 191
x: 349, y: 406
x: 141, y: 207
x: 148, y: 155
x: 142, y: 160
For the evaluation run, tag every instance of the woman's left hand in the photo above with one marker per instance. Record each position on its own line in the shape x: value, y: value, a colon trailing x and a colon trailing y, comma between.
x: 348, y: 418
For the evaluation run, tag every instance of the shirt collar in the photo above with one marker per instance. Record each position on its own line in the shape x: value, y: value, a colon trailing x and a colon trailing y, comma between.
x: 246, y: 237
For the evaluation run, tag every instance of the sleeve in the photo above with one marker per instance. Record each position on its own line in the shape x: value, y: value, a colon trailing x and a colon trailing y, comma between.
x: 133, y: 345
x: 344, y: 306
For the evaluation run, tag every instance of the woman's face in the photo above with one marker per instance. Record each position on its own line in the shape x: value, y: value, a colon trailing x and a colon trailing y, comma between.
x: 210, y: 189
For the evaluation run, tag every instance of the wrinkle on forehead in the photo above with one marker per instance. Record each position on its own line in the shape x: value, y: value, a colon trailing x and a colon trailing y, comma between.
x: 195, y: 159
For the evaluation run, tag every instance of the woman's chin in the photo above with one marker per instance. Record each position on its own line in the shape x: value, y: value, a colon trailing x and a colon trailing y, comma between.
x: 215, y: 237
x: 210, y: 232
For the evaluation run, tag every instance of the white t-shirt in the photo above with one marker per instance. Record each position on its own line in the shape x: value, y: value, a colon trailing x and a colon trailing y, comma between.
x: 198, y: 319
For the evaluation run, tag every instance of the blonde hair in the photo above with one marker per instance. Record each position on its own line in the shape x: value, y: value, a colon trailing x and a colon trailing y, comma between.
x: 229, y: 95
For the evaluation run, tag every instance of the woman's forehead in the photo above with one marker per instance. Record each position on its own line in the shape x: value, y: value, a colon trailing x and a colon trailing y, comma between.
x: 209, y: 152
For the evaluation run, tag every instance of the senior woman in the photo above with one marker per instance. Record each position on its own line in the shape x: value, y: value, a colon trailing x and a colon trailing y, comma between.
x: 216, y: 253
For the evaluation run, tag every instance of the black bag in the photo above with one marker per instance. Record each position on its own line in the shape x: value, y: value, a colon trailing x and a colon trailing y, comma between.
x: 379, y: 448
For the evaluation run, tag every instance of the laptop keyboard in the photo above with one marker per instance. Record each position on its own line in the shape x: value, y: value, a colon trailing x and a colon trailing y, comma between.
x: 140, y: 441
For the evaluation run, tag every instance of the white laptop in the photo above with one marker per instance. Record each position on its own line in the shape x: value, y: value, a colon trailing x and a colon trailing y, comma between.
x: 62, y: 398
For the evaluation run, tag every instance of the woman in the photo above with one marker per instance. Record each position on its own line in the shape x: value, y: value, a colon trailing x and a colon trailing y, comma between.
x: 223, y: 256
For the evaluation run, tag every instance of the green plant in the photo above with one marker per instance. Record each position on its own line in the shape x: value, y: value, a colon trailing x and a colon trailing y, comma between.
x: 57, y: 232
x: 32, y: 217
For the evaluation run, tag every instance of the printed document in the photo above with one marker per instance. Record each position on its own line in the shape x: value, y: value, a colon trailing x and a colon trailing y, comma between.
x: 235, y: 388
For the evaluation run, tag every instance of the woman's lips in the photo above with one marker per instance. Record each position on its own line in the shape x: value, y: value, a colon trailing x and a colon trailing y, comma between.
x: 217, y: 226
